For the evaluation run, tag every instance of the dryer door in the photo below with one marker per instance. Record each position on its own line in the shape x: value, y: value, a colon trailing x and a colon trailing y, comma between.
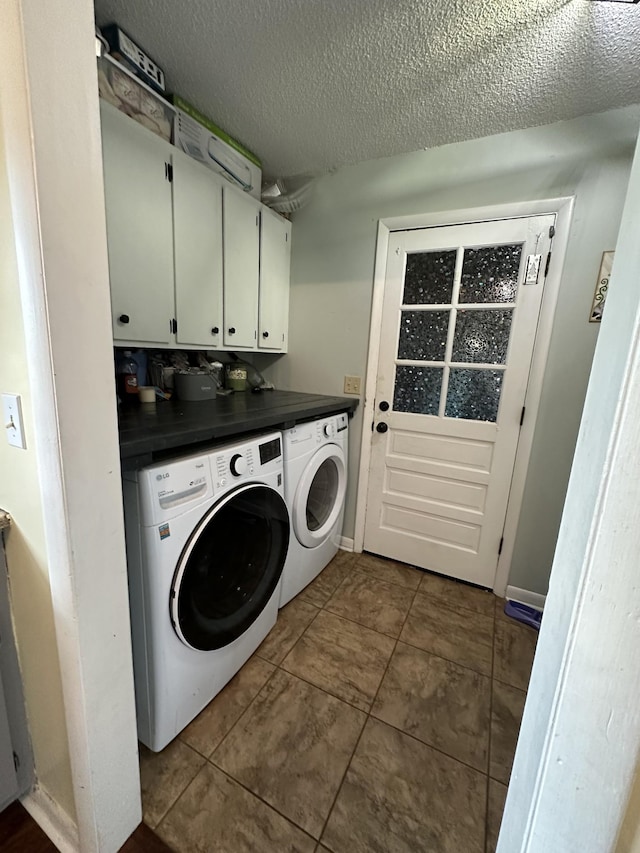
x: 230, y: 567
x: 319, y: 498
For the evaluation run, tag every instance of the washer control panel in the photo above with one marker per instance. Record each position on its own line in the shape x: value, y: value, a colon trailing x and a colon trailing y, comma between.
x: 239, y: 462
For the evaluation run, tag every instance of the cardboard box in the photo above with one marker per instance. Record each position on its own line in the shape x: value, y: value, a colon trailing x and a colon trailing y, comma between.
x: 133, y: 97
x: 203, y: 140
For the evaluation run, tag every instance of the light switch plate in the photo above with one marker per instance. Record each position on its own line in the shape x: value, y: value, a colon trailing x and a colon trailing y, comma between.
x: 13, y: 425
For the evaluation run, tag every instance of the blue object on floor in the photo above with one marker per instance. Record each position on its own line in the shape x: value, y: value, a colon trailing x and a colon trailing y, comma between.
x: 523, y: 613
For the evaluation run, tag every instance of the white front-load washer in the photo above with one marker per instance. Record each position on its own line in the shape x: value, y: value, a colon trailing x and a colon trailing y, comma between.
x: 315, y: 479
x: 207, y: 538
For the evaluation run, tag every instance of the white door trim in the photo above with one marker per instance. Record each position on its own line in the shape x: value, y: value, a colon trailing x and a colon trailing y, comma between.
x: 562, y: 208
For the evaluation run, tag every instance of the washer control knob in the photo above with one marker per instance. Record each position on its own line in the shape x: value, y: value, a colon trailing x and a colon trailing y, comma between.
x: 238, y: 465
x: 328, y: 430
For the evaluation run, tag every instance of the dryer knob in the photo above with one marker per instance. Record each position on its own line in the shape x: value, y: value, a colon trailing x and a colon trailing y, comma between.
x: 238, y: 465
x: 328, y: 430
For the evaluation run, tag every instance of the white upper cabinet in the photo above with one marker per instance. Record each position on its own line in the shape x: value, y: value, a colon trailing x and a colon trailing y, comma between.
x: 275, y: 259
x: 191, y: 263
x: 139, y: 228
x: 197, y: 224
x: 241, y: 269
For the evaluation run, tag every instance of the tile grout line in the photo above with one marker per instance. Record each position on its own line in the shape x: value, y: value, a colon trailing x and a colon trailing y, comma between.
x: 179, y: 795
x: 367, y: 718
x: 262, y: 800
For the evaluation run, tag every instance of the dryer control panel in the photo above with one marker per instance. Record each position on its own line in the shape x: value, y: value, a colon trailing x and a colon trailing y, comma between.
x: 329, y: 429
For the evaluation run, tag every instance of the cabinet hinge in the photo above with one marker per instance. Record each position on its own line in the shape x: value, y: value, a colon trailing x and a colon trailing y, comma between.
x: 173, y: 326
x: 522, y: 415
x: 500, y: 545
x: 546, y: 269
x: 168, y: 172
x: 552, y: 231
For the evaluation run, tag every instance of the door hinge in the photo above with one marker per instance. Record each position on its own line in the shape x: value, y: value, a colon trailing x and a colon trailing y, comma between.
x: 552, y: 231
x: 522, y: 415
x: 500, y: 545
x: 546, y: 269
x: 173, y: 326
x: 168, y: 172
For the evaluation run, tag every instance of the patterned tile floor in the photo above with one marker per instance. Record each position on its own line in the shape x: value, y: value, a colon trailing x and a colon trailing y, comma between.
x: 380, y: 715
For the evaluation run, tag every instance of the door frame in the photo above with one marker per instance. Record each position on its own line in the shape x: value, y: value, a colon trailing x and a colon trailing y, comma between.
x: 562, y: 208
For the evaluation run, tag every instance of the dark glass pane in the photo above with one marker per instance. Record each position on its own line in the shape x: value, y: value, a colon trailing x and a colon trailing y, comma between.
x: 490, y: 274
x: 233, y: 567
x: 322, y: 495
x: 482, y: 336
x: 417, y: 389
x: 428, y: 279
x: 474, y: 394
x: 423, y: 335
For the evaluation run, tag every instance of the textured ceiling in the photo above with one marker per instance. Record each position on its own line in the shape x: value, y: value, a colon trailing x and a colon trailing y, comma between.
x: 311, y: 85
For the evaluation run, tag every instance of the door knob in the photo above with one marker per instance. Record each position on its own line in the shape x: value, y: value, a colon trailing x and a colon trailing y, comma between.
x: 232, y: 331
x: 382, y: 427
x: 123, y: 318
x: 215, y: 330
x: 384, y: 406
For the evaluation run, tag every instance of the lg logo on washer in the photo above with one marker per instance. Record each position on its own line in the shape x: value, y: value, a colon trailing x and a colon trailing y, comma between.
x: 162, y: 476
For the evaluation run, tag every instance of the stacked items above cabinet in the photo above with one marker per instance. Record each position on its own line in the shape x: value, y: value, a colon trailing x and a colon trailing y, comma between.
x: 193, y: 261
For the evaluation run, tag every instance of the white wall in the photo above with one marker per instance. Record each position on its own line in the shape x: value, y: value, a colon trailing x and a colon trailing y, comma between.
x: 25, y: 541
x: 49, y: 102
x: 580, y: 737
x: 332, y: 273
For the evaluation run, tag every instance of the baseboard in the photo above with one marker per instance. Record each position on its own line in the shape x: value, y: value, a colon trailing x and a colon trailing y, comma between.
x: 52, y: 819
x: 524, y: 596
x: 346, y: 544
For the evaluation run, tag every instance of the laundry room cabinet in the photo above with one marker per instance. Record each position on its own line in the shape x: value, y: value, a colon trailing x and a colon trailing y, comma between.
x: 275, y: 262
x: 193, y: 261
x: 241, y: 269
x: 197, y: 228
x: 139, y: 229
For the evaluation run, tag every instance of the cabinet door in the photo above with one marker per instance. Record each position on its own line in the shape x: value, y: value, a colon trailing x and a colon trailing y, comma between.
x: 197, y: 229
x: 139, y: 228
x: 275, y: 261
x: 241, y: 257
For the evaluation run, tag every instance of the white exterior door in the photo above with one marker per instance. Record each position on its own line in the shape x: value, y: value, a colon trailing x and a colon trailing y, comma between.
x: 460, y: 313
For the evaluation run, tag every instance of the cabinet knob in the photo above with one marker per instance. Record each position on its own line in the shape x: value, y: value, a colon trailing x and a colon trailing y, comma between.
x: 215, y: 330
x: 123, y: 318
x: 382, y: 427
x: 232, y: 330
x: 384, y: 406
x: 265, y: 334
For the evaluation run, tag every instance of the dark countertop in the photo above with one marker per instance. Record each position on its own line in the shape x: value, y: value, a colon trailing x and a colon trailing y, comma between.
x: 147, y: 431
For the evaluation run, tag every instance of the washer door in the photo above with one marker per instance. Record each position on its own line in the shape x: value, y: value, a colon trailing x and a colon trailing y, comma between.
x: 320, y: 496
x: 230, y: 567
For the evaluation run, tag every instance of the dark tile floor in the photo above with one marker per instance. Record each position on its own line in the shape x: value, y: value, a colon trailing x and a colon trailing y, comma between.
x: 380, y: 714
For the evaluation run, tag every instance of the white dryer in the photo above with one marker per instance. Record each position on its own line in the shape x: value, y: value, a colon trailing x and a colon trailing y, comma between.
x: 207, y: 538
x: 315, y: 479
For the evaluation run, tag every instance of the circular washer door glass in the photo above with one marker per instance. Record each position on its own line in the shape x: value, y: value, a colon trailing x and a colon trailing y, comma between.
x: 230, y: 567
x: 320, y: 496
